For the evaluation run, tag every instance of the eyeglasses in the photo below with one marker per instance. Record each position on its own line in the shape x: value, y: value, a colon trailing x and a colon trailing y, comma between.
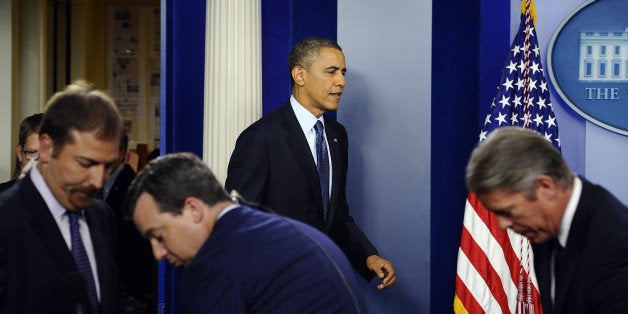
x: 31, y: 154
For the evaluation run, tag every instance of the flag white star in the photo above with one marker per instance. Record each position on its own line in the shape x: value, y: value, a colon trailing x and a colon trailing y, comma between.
x: 538, y: 120
x: 532, y: 84
x: 512, y: 67
x: 504, y: 101
x: 508, y: 84
x: 521, y: 66
x: 515, y: 50
x: 543, y: 86
x: 501, y: 118
x: 517, y: 101
x: 513, y: 119
x: 541, y: 103
x: 520, y: 83
x: 487, y: 120
x: 483, y: 136
x: 534, y: 67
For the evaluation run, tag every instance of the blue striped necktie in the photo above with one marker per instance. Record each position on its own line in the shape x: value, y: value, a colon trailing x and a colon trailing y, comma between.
x: 322, y: 164
x: 81, y: 259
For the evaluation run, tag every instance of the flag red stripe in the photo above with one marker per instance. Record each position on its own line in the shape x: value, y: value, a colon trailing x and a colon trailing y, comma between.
x: 502, y: 238
x: 467, y: 298
x: 481, y: 263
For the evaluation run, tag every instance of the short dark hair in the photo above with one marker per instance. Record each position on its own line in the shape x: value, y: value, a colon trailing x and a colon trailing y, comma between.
x: 171, y: 179
x: 29, y: 126
x: 304, y: 53
x: 81, y: 108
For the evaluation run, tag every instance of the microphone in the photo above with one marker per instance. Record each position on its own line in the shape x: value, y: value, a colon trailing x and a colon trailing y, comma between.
x: 236, y: 197
x: 75, y: 292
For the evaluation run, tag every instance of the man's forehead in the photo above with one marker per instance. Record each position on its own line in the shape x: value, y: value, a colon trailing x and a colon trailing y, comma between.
x: 145, y: 211
x: 87, y: 145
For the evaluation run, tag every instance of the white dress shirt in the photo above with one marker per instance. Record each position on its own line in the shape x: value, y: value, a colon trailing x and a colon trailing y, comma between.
x: 63, y: 222
x: 307, y: 121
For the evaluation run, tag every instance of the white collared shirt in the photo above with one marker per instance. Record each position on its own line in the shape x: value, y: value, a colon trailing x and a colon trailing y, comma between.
x: 570, y: 211
x: 565, y: 225
x: 307, y: 121
x: 226, y: 210
x: 63, y: 222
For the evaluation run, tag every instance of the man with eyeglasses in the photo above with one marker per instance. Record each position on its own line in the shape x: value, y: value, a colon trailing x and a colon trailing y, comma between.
x: 27, y: 146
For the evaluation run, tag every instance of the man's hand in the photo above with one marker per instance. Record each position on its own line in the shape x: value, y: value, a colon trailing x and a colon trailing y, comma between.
x: 383, y: 269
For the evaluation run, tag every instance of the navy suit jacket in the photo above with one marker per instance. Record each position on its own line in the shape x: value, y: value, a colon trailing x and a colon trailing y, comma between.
x: 273, y: 165
x: 134, y: 255
x: 6, y: 185
x: 34, y: 258
x: 258, y: 262
x: 595, y: 260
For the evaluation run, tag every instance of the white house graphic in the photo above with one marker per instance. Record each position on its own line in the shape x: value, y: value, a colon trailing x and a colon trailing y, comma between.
x: 603, y: 56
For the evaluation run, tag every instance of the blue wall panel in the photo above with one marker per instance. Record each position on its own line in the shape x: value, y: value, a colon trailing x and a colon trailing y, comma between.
x: 183, y: 52
x: 182, y: 94
x: 284, y: 23
x: 455, y: 108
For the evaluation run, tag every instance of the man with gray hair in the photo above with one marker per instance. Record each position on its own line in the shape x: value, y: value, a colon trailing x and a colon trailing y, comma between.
x: 578, y: 229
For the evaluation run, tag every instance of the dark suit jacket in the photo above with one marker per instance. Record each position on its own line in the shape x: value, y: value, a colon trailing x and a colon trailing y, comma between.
x: 595, y: 262
x: 134, y: 256
x: 257, y: 262
x: 34, y: 257
x: 6, y: 185
x: 115, y: 198
x: 272, y: 165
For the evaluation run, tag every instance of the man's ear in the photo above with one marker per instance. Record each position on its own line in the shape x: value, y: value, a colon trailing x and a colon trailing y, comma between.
x: 46, y: 148
x: 546, y: 187
x: 297, y: 75
x: 193, y: 208
x: 19, y: 152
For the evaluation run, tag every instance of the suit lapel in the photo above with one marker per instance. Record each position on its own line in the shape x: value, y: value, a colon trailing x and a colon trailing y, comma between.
x: 575, y: 242
x: 44, y: 224
x: 297, y: 143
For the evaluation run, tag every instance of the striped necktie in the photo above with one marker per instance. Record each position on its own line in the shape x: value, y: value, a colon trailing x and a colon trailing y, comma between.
x: 81, y: 259
x: 322, y: 164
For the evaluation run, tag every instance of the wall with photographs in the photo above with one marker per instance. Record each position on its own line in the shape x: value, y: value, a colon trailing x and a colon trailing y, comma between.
x: 133, y: 69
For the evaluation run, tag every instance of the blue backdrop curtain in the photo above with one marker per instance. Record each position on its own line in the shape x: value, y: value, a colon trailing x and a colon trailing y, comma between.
x: 470, y: 43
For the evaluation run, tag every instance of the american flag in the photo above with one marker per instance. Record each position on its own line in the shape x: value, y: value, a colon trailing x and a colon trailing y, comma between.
x: 495, y: 267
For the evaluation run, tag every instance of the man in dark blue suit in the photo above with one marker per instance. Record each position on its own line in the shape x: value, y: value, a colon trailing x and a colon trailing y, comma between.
x: 281, y: 163
x: 579, y: 230
x: 56, y: 242
x: 236, y: 259
x: 135, y: 261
